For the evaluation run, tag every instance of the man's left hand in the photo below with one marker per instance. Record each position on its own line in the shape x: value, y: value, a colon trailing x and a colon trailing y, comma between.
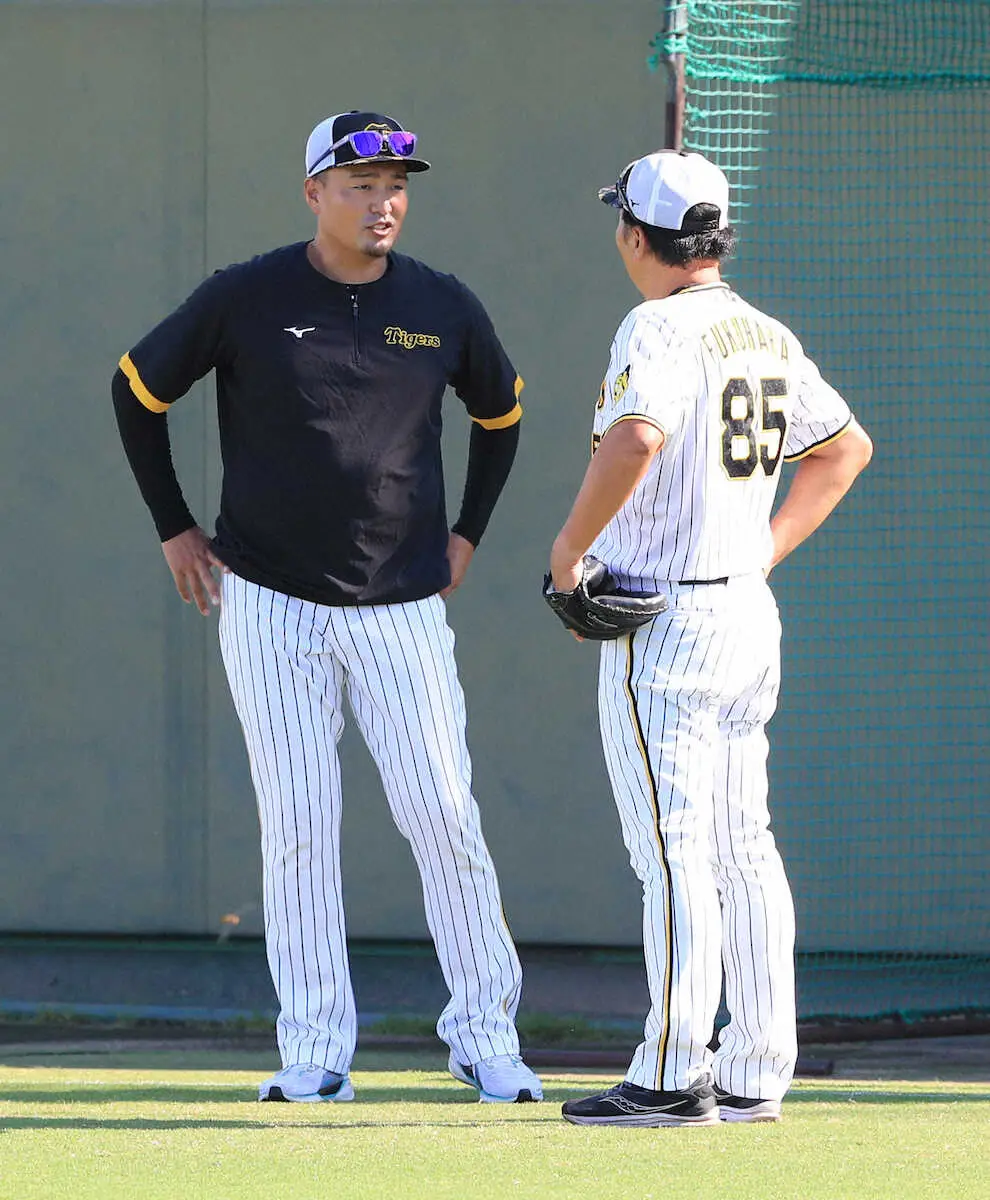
x: 459, y: 555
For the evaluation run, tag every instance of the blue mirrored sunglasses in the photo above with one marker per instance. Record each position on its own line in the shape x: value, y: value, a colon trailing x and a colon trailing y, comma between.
x: 369, y: 143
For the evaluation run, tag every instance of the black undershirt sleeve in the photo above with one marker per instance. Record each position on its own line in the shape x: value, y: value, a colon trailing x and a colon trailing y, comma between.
x: 490, y: 458
x: 146, y: 444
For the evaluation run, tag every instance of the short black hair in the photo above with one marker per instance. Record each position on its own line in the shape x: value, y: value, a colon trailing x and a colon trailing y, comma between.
x: 678, y: 249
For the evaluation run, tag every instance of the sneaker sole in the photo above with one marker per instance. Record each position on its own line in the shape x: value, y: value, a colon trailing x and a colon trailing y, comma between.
x: 277, y: 1096
x: 647, y: 1120
x: 525, y: 1097
x: 761, y: 1113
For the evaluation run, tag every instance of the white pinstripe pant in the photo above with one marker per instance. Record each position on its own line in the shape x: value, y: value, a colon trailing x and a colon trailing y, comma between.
x: 683, y: 704
x: 289, y: 663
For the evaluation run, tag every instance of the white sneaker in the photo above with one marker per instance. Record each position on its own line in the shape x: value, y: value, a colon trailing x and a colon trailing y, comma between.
x: 306, y: 1083
x: 502, y: 1079
x: 739, y: 1108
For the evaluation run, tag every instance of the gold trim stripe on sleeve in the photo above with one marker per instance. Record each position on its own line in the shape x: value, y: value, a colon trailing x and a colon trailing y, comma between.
x: 637, y: 417
x: 138, y: 388
x: 510, y: 418
x: 668, y: 976
x: 824, y: 442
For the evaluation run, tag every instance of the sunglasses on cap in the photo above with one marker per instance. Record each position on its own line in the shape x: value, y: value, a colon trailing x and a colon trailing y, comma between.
x: 369, y: 143
x: 615, y: 196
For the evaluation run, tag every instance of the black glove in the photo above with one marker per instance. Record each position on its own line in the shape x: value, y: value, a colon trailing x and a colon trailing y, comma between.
x: 597, y: 610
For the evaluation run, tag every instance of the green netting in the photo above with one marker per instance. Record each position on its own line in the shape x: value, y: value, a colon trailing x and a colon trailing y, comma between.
x: 855, y: 135
x: 733, y: 55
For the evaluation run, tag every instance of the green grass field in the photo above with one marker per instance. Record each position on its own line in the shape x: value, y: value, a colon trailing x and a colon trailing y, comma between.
x: 184, y: 1125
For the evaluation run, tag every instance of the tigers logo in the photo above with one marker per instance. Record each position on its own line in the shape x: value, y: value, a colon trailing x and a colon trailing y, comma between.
x: 384, y: 130
x: 394, y: 336
x: 620, y: 386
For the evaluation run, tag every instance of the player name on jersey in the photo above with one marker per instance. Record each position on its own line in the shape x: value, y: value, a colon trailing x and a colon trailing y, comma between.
x: 736, y: 334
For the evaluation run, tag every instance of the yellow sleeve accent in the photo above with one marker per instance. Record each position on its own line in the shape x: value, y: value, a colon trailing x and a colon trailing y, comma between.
x: 519, y: 385
x: 636, y: 417
x: 818, y: 445
x: 138, y: 388
x: 510, y: 418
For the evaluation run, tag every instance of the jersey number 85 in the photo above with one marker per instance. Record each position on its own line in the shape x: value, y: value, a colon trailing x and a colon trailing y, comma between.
x: 751, y: 439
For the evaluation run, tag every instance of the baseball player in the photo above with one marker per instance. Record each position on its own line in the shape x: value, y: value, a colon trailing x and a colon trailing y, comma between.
x: 704, y: 398
x: 331, y: 358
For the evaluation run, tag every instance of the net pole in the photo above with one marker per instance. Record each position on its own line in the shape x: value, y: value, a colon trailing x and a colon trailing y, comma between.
x: 675, y: 39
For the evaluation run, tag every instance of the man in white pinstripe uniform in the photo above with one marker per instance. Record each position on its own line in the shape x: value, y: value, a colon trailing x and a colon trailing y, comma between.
x: 332, y: 358
x: 703, y: 399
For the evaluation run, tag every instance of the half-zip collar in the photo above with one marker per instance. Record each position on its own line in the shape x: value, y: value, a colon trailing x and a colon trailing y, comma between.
x: 355, y: 325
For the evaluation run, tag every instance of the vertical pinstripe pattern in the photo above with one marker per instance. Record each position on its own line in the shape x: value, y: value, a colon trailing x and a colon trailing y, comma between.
x: 657, y: 886
x: 682, y: 708
x: 679, y: 362
x: 684, y: 703
x: 289, y: 663
x: 758, y: 1048
x: 287, y: 693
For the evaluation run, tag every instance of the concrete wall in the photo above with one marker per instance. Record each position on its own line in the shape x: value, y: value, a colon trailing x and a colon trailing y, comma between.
x: 156, y: 141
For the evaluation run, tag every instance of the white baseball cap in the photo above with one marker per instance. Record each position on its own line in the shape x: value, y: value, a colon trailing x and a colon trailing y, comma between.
x: 661, y: 188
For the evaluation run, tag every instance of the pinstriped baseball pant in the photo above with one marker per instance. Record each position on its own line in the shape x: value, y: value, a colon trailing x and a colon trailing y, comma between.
x: 683, y: 704
x: 289, y: 663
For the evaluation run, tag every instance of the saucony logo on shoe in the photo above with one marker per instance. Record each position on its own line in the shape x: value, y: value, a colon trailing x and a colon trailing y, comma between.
x: 630, y: 1106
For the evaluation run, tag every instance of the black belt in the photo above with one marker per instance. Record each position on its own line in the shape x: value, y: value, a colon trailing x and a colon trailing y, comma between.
x: 701, y: 582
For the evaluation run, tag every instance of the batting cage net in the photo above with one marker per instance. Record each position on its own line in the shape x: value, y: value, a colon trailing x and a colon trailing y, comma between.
x: 855, y: 135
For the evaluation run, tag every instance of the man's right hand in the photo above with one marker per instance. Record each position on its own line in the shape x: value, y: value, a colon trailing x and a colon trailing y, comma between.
x: 191, y: 562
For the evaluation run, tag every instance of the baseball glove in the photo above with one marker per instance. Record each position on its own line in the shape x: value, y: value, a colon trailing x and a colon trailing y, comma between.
x: 597, y: 609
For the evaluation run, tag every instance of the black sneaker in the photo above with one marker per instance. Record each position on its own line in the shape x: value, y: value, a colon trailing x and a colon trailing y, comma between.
x: 740, y: 1108
x: 628, y: 1104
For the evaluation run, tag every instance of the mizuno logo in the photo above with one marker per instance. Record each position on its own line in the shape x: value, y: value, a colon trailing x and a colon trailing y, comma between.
x: 299, y: 330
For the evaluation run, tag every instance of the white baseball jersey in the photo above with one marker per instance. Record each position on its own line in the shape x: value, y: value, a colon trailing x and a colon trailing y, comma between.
x: 734, y: 394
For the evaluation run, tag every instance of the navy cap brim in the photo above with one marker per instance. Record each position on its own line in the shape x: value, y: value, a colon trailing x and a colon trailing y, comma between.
x: 413, y: 165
